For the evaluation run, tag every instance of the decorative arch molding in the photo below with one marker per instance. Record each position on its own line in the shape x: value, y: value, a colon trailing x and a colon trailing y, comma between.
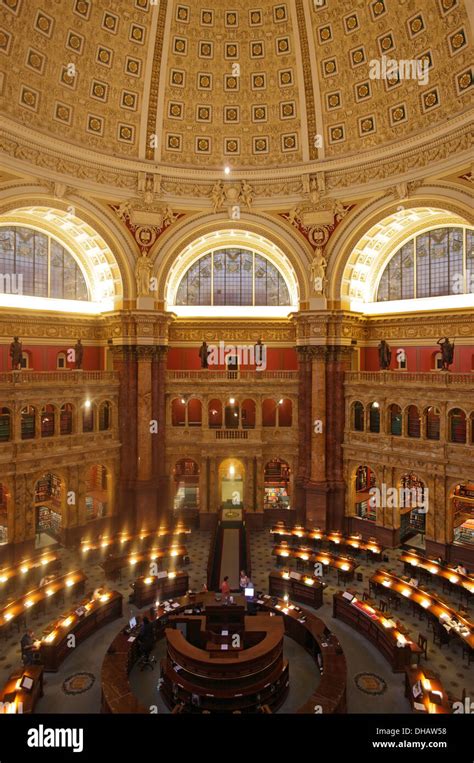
x: 193, y: 237
x: 445, y: 204
x: 30, y: 206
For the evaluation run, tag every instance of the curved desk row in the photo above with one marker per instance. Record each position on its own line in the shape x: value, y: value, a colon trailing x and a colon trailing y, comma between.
x: 414, y: 561
x: 340, y: 563
x: 29, y: 571
x: 337, y: 538
x: 305, y: 589
x: 454, y: 623
x: 142, y: 561
x: 329, y: 696
x: 73, y: 582
x: 390, y: 638
x: 148, y: 590
x: 121, y: 541
x: 86, y: 618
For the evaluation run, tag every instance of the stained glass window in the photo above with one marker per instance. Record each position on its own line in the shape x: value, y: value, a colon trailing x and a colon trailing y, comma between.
x: 434, y: 264
x: 33, y: 264
x: 233, y: 277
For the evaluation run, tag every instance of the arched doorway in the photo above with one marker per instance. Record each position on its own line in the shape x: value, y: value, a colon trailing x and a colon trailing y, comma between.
x: 48, y: 510
x: 364, y: 481
x: 3, y: 514
x: 277, y: 485
x: 186, y: 481
x: 232, y: 483
x: 97, y: 492
x: 413, y: 507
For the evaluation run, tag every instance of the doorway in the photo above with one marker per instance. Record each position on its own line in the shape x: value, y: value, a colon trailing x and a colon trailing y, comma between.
x: 232, y: 483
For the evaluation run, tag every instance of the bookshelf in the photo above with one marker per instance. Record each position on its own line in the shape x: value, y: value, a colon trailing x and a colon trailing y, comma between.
x: 463, y: 514
x: 4, y: 426
x: 276, y: 493
x: 3, y: 516
x: 48, y: 505
x: 97, y: 495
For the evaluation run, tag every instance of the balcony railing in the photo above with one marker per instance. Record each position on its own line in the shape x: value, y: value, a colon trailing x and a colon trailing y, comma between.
x: 433, y: 378
x: 57, y: 377
x: 207, y: 375
x: 231, y: 435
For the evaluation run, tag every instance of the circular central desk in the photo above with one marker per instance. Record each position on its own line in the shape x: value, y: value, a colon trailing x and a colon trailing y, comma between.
x: 260, y: 673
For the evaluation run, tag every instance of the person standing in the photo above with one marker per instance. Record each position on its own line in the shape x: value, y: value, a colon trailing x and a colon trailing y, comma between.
x: 225, y: 587
x: 243, y: 582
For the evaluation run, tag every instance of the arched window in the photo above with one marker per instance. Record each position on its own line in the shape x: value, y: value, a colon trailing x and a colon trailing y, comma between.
x: 215, y: 414
x: 28, y: 423
x: 39, y: 266
x: 374, y: 417
x: 194, y: 412
x: 105, y: 416
x: 277, y: 485
x: 395, y: 420
x: 88, y: 415
x: 457, y: 425
x: 248, y: 414
x: 365, y: 504
x: 358, y: 416
x: 285, y: 412
x: 66, y: 419
x: 5, y: 424
x: 26, y: 359
x: 178, y: 412
x: 232, y: 411
x: 269, y: 413
x: 48, y: 415
x: 432, y: 423
x: 61, y: 360
x: 233, y: 276
x: 413, y: 421
x: 437, y: 361
x: 436, y: 263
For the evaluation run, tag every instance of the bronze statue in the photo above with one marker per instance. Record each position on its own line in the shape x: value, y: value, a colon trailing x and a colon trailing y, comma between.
x: 78, y: 354
x: 447, y: 352
x: 385, y: 355
x: 16, y: 353
x: 203, y: 354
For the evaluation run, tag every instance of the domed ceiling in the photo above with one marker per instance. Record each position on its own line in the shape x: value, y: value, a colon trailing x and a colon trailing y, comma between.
x: 249, y: 83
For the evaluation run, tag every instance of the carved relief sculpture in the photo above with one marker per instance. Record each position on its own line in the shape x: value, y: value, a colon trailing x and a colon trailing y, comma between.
x: 142, y: 274
x: 16, y: 354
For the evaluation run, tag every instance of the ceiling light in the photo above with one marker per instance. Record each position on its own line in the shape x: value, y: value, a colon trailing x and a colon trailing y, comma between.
x: 227, y: 170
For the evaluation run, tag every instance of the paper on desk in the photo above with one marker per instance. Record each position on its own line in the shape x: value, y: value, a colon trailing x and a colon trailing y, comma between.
x: 132, y: 638
x: 418, y: 706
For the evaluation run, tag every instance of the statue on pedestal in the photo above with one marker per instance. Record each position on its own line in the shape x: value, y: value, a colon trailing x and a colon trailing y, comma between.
x: 447, y: 352
x: 385, y: 355
x: 142, y: 274
x: 78, y: 354
x: 16, y: 354
x: 203, y: 354
x: 217, y: 195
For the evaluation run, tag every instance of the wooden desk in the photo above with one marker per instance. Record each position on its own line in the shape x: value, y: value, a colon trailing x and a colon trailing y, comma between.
x: 330, y: 694
x: 413, y: 561
x: 308, y: 590
x: 73, y: 581
x: 29, y: 570
x: 379, y: 630
x: 148, y: 590
x: 340, y: 563
x: 335, y: 537
x: 114, y: 564
x: 120, y: 542
x: 24, y: 701
x: 55, y: 644
x: 430, y: 683
x: 383, y: 581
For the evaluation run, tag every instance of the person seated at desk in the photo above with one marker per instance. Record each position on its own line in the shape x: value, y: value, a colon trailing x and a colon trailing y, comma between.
x: 225, y: 587
x: 461, y: 569
x: 29, y: 647
x: 98, y: 592
x: 146, y: 637
x: 244, y: 580
x: 413, y: 582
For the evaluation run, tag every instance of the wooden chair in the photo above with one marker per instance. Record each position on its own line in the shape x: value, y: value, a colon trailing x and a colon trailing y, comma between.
x: 342, y: 577
x: 366, y: 596
x: 440, y: 636
x: 382, y: 605
x: 423, y: 644
x: 467, y: 652
x: 394, y: 602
